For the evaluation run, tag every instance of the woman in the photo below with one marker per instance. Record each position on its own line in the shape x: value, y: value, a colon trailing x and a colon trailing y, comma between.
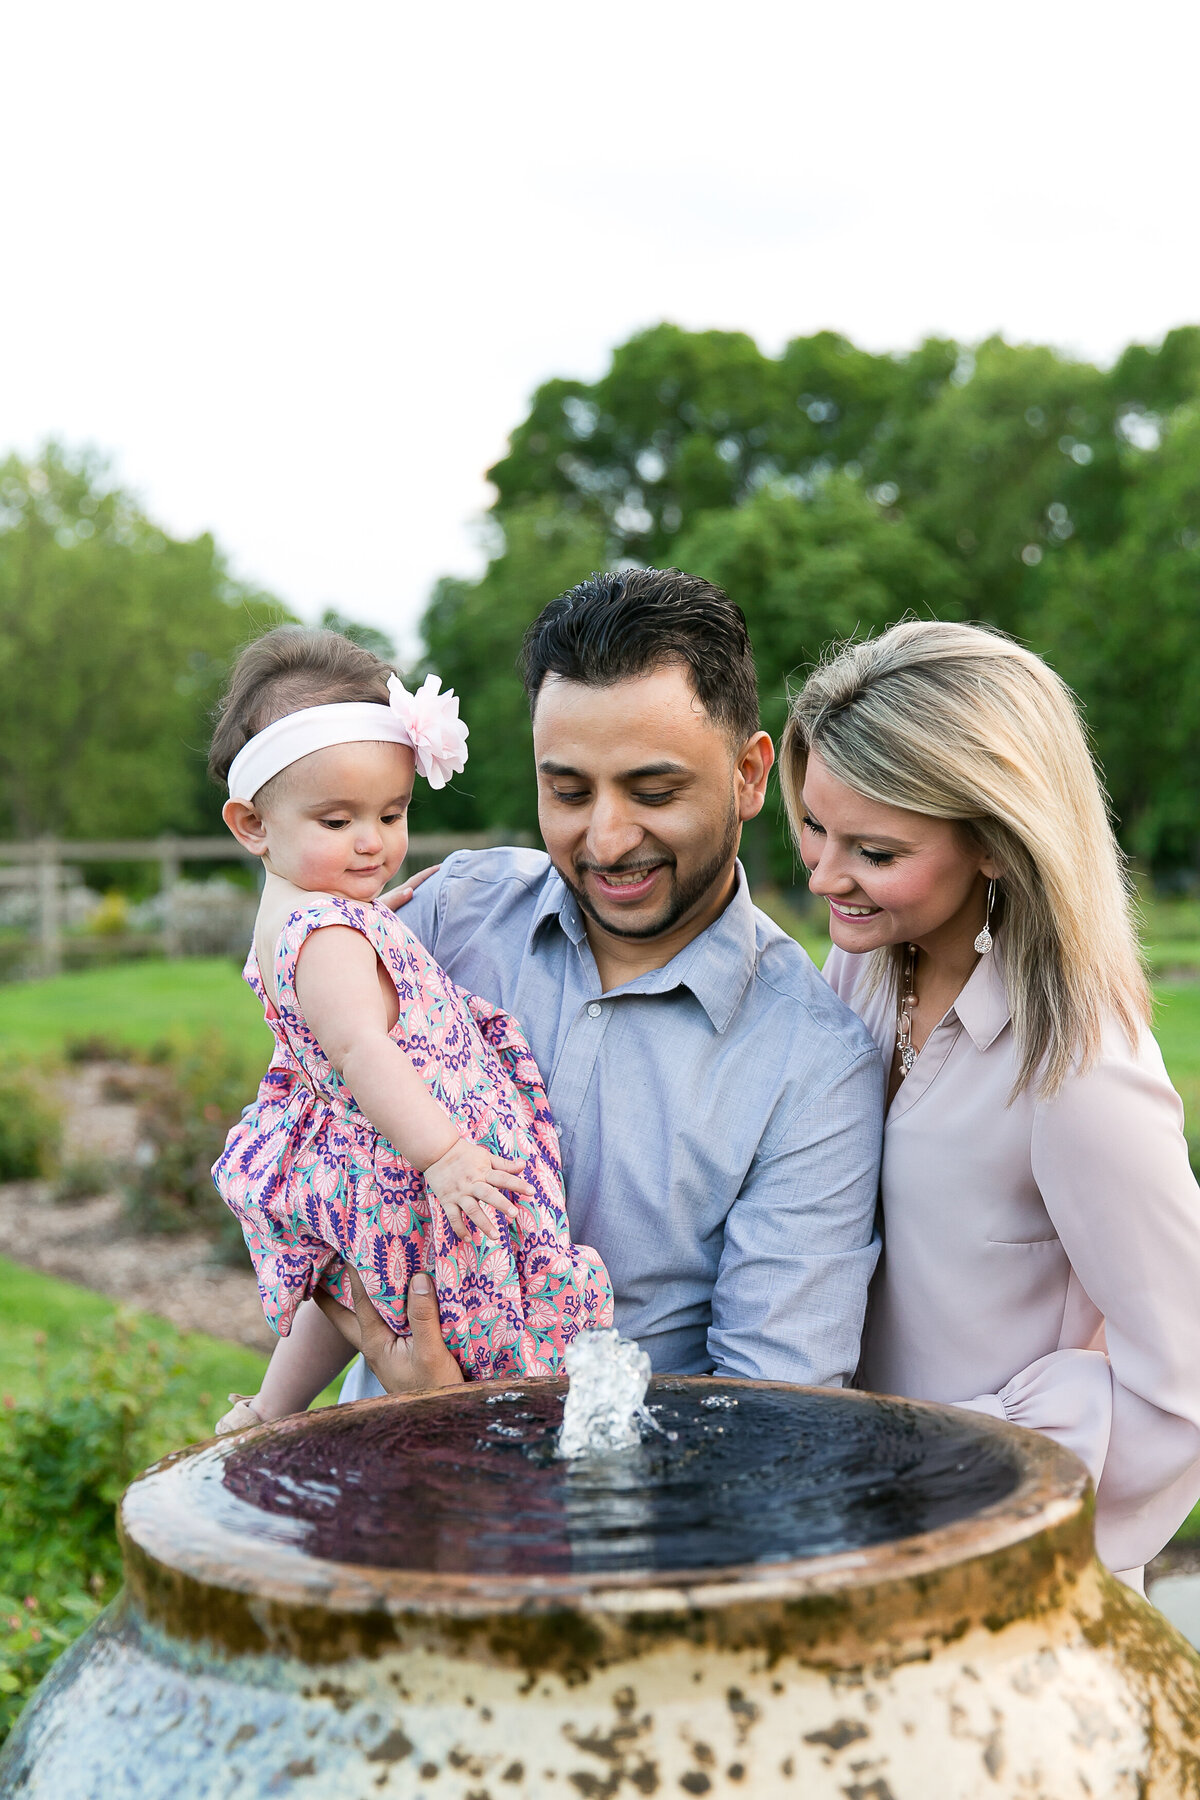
x: 1041, y: 1224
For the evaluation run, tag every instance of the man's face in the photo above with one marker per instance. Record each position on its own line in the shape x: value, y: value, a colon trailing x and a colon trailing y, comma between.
x: 641, y: 798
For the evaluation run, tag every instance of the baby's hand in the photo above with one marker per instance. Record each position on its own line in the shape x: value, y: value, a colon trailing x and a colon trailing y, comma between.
x: 468, y: 1176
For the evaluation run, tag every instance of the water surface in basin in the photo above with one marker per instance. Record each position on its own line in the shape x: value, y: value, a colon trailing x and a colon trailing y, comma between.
x: 468, y: 1484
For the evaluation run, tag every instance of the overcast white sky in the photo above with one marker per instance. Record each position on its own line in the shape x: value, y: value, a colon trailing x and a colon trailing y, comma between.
x: 298, y: 268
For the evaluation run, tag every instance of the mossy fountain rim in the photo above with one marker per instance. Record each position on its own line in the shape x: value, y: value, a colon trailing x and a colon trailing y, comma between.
x: 195, y: 1578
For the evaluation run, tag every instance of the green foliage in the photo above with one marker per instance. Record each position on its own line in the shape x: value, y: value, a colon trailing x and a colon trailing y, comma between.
x: 33, y: 1632
x: 30, y: 1127
x: 689, y: 422
x: 184, y: 1118
x: 66, y: 1455
x: 832, y: 491
x: 82, y: 1178
x: 367, y: 636
x: 1123, y: 626
x: 807, y: 571
x: 472, y: 633
x: 114, y: 640
x: 149, y: 1008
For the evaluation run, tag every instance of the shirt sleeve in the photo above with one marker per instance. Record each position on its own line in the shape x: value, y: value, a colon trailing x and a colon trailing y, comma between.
x: 1111, y: 1163
x: 800, y: 1241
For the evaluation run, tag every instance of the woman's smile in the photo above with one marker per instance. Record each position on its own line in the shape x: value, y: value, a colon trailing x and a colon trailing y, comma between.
x: 845, y: 911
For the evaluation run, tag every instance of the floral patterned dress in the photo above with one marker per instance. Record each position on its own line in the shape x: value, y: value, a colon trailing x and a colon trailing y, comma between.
x: 315, y: 1186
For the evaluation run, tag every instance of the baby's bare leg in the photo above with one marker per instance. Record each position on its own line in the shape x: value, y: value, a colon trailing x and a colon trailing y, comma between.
x: 302, y: 1365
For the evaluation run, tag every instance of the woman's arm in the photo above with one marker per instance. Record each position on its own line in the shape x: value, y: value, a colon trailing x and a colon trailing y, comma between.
x: 1111, y: 1163
x: 338, y: 988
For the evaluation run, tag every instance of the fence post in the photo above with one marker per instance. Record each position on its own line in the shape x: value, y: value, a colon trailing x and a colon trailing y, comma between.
x: 49, y: 906
x: 168, y: 856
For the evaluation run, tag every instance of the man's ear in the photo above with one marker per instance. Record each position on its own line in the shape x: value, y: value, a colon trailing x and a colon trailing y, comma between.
x: 754, y: 764
x: 246, y: 826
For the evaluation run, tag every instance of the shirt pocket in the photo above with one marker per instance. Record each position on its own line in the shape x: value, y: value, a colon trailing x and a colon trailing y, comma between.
x: 1021, y: 1220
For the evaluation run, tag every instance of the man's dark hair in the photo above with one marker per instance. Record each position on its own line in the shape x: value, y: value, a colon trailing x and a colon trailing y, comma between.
x: 615, y: 626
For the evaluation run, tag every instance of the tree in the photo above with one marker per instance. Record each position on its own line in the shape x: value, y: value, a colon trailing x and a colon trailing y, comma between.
x: 472, y: 634
x: 832, y: 490
x: 1123, y: 628
x: 810, y: 572
x: 688, y: 422
x: 114, y: 641
x: 367, y: 637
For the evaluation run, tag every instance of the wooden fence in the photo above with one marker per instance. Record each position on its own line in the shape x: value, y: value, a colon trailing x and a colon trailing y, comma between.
x: 51, y: 857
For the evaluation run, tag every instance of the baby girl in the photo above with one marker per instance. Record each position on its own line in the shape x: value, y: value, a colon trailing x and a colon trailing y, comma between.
x: 402, y: 1125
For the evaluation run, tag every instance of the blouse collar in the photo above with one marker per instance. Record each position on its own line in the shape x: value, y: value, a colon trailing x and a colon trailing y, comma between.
x: 982, y: 1007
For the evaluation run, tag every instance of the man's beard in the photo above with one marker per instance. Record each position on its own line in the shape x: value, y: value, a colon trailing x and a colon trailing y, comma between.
x: 684, y: 895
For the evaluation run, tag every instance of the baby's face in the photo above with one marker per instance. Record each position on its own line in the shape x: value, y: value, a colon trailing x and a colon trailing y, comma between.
x: 336, y: 822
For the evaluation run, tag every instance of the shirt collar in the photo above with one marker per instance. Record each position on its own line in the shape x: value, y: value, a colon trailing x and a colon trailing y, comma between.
x: 716, y: 966
x: 557, y: 902
x: 982, y: 1007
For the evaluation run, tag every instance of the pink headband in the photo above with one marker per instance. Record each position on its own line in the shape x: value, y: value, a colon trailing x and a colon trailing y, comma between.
x: 426, y: 721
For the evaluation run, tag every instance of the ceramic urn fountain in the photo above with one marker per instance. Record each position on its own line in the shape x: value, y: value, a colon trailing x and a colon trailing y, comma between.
x: 780, y: 1592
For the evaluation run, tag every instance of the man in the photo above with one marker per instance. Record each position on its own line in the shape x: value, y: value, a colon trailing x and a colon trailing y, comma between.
x: 719, y: 1109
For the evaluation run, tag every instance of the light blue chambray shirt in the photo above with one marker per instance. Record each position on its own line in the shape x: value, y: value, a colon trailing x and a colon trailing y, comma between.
x: 720, y: 1119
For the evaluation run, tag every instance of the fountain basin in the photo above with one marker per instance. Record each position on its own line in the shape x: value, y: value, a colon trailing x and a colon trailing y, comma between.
x: 798, y: 1592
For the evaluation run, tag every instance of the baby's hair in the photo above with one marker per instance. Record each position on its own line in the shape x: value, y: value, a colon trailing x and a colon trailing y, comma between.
x: 283, y: 672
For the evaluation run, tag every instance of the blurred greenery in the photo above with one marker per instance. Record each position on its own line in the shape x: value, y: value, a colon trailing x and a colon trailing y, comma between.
x: 187, y: 1107
x: 829, y: 488
x: 138, y: 1006
x: 91, y: 1395
x: 832, y: 491
x: 30, y: 1126
x: 114, y: 641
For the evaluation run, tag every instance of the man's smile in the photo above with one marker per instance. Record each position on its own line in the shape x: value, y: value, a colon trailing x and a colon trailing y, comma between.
x: 624, y: 885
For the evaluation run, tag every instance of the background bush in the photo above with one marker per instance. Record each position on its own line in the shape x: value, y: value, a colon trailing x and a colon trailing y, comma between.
x: 188, y: 1106
x: 30, y: 1126
x: 67, y: 1453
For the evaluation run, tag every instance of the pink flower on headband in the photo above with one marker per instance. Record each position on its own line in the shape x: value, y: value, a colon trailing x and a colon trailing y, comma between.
x: 435, y: 731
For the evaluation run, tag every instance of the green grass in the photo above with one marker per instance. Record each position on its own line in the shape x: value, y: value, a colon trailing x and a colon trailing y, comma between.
x: 31, y: 1303
x: 137, y: 1004
x: 1170, y: 932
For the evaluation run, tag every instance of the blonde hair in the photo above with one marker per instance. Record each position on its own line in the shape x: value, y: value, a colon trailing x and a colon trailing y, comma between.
x: 961, y: 723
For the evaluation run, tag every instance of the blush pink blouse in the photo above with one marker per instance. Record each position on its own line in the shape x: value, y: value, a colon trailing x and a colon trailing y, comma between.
x: 1042, y: 1259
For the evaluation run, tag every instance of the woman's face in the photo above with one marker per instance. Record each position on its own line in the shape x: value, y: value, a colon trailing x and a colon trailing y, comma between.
x: 890, y: 876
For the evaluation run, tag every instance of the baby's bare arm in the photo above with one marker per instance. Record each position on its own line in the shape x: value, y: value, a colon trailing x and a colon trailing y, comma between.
x: 343, y: 1005
x: 338, y: 988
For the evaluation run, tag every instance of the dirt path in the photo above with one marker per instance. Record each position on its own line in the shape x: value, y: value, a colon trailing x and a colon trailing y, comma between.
x: 90, y: 1242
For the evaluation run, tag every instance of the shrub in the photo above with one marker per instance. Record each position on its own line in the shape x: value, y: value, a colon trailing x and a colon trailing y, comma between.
x: 82, y: 1178
x: 93, y: 1047
x: 66, y: 1456
x: 30, y: 1128
x: 213, y: 918
x: 111, y: 917
x: 184, y: 1119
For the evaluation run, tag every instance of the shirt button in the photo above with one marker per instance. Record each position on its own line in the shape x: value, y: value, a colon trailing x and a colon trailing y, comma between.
x: 595, y: 1009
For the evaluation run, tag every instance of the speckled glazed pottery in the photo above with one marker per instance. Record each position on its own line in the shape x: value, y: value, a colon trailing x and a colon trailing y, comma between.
x: 348, y: 1604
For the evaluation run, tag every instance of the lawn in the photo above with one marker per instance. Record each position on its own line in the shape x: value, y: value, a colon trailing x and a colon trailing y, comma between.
x: 137, y: 1004
x: 32, y: 1303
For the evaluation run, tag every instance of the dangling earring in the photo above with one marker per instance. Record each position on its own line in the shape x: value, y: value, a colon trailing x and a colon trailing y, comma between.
x: 984, y: 941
